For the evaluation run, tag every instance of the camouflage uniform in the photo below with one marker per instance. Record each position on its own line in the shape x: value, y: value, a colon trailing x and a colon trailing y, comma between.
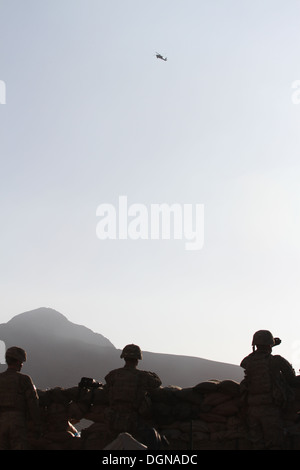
x: 268, y: 390
x: 18, y: 402
x: 127, y: 391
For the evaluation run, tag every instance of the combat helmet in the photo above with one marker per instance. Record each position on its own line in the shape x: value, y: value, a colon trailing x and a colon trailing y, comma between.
x: 263, y: 338
x: 18, y: 354
x: 131, y: 351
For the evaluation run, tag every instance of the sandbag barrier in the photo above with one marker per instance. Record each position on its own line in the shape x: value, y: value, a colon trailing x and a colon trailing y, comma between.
x: 208, y: 416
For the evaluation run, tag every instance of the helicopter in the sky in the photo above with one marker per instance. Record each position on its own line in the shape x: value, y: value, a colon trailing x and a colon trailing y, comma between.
x: 159, y: 56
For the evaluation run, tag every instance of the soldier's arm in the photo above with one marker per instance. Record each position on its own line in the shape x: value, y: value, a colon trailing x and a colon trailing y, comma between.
x: 32, y: 400
x: 245, y: 361
x: 109, y: 378
x: 287, y: 371
x: 153, y: 380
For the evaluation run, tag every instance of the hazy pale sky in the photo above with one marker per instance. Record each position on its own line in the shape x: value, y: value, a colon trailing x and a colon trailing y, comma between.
x: 91, y: 115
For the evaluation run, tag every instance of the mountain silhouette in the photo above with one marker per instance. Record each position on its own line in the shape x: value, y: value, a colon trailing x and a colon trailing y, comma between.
x: 61, y: 352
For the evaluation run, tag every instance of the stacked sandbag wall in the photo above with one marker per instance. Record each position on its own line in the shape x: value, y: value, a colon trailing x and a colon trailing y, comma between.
x: 207, y: 416
x: 210, y: 415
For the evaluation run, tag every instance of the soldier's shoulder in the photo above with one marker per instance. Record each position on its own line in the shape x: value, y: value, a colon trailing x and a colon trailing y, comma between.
x: 25, y: 379
x: 277, y: 359
x: 112, y: 374
x: 244, y: 363
x: 151, y: 376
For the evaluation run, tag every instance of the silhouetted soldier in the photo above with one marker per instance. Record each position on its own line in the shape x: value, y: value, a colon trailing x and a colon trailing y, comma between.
x: 127, y: 391
x: 268, y: 387
x: 18, y: 402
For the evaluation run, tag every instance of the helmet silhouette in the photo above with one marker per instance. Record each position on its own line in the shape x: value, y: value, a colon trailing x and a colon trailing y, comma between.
x: 263, y: 338
x: 16, y: 353
x: 131, y: 351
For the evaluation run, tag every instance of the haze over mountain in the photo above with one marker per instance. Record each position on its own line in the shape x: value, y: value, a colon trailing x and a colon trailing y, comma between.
x: 61, y: 352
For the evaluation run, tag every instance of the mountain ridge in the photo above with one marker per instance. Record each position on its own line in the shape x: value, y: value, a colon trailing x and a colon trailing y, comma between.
x: 45, y: 321
x: 61, y: 352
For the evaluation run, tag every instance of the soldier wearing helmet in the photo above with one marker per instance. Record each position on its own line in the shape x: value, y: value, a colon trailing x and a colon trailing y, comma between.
x: 131, y: 351
x: 267, y: 389
x: 18, y: 402
x: 127, y: 389
x: 264, y: 338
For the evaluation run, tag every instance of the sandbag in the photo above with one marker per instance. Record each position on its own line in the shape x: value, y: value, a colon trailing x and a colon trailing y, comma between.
x: 212, y: 418
x: 228, y: 408
x: 194, y: 425
x: 76, y: 411
x: 162, y: 413
x: 218, y: 436
x: 216, y: 427
x: 71, y: 393
x: 207, y: 386
x: 182, y: 411
x: 215, y: 398
x: 189, y: 395
x: 96, y: 413
x: 168, y: 395
x: 200, y: 436
x: 230, y: 387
